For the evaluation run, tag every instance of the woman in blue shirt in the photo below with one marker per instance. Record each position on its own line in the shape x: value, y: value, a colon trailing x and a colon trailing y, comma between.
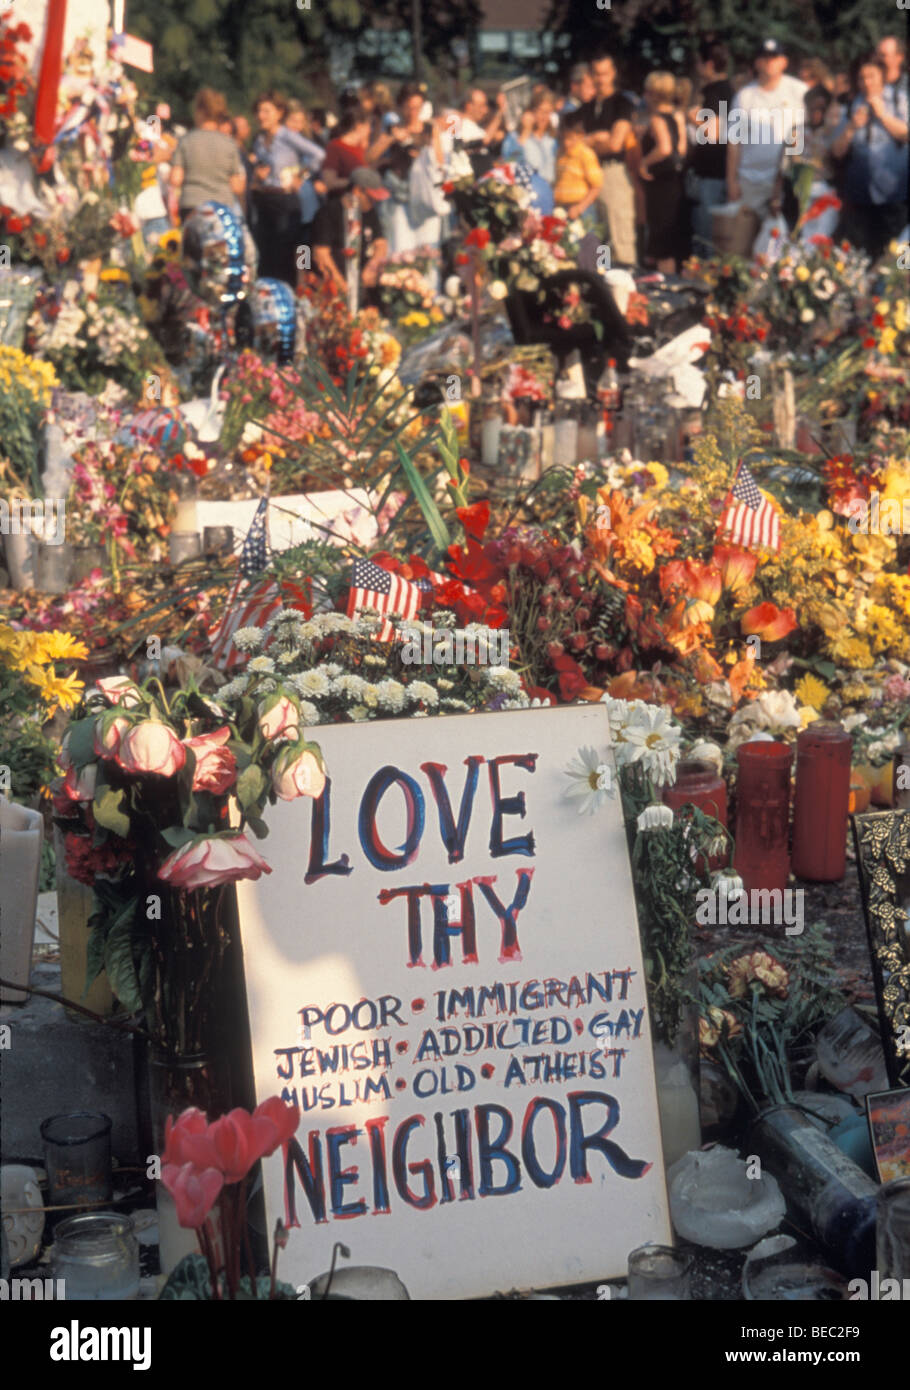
x: 534, y: 143
x: 279, y: 154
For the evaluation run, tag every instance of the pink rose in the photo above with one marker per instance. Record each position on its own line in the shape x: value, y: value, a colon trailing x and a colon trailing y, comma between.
x: 119, y: 690
x: 106, y: 743
x: 216, y: 765
x: 210, y: 860
x: 194, y: 1192
x: 151, y: 747
x: 80, y: 786
x: 279, y: 718
x: 297, y: 772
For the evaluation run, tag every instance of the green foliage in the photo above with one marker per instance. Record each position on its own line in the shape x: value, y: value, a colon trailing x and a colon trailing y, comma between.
x: 190, y: 1281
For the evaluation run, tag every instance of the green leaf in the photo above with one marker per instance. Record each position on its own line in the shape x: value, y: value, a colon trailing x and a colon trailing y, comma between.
x: 438, y: 529
x: 258, y: 827
x: 250, y: 785
x: 177, y: 836
x: 188, y: 1280
x: 80, y: 742
x: 94, y: 956
x: 118, y: 960
x: 108, y: 810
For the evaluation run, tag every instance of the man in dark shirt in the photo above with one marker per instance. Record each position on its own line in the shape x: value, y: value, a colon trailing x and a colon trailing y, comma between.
x: 343, y: 221
x: 607, y: 121
x: 708, y: 159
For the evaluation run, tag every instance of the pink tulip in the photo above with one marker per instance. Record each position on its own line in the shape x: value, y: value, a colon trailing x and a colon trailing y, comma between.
x: 210, y: 860
x: 106, y: 743
x: 120, y: 690
x: 279, y: 719
x: 285, y: 1118
x: 297, y: 772
x: 151, y: 747
x: 216, y: 765
x: 194, y: 1191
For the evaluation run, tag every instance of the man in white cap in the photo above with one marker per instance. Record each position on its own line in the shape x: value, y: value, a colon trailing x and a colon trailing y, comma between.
x: 765, y: 121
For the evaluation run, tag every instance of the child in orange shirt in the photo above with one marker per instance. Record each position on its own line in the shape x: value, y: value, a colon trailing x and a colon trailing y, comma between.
x: 579, y: 177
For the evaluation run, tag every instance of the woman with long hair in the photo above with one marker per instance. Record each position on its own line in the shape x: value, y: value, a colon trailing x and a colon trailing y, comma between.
x: 206, y: 166
x: 663, y: 158
x: 534, y: 142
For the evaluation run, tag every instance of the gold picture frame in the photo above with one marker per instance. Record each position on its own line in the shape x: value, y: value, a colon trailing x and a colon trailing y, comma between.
x: 883, y: 858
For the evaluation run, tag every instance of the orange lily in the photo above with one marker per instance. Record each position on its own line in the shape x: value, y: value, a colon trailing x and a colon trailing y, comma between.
x: 768, y: 622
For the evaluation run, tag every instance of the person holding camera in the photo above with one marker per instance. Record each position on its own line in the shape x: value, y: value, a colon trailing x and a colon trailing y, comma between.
x: 873, y: 138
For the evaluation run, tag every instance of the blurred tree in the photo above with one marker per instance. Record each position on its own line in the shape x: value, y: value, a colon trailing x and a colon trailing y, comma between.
x: 243, y: 47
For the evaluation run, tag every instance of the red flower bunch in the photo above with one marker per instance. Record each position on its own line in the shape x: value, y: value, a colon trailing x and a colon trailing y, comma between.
x: 201, y: 1161
x: 477, y: 237
x: 844, y: 484
x: 86, y: 861
x: 13, y: 69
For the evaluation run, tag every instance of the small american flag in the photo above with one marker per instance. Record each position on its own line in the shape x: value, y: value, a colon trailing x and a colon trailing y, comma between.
x: 375, y: 588
x: 749, y: 518
x: 255, y: 551
x: 250, y: 609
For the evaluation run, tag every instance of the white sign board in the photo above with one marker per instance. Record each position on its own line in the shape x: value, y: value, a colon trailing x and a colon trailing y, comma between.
x: 444, y: 973
x: 337, y: 516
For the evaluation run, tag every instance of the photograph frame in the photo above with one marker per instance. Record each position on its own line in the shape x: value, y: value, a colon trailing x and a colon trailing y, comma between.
x: 901, y: 1094
x: 882, y: 840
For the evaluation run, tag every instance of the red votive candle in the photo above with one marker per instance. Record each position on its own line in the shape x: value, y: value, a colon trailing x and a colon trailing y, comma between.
x: 700, y: 784
x: 763, y: 815
x: 821, y: 802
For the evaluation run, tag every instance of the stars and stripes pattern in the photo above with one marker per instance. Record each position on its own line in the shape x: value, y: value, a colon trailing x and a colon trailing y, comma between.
x: 383, y: 592
x: 246, y: 606
x: 748, y: 518
x: 254, y: 553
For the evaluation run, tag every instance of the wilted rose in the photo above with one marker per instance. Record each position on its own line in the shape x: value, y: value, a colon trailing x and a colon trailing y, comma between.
x: 151, y: 747
x: 119, y: 690
x: 297, y: 772
x: 216, y: 765
x: 212, y: 859
x: 107, y: 741
x: 80, y: 786
x: 279, y: 718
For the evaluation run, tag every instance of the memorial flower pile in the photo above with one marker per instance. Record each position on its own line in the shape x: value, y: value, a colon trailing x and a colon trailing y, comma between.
x: 92, y: 338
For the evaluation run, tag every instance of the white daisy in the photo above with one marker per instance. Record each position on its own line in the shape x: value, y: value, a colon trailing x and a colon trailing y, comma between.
x: 652, y: 741
x: 592, y: 781
x: 314, y: 683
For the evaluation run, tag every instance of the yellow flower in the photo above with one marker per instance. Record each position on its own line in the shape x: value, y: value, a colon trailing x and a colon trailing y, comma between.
x: 56, y: 691
x: 802, y: 272
x: 887, y: 341
x: 59, y: 646
x: 851, y: 651
x: 812, y: 692
x: 807, y: 714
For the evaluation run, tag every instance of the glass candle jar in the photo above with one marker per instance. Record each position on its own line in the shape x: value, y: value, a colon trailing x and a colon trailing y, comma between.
x: 821, y: 803
x: 77, y: 1152
x: 901, y: 798
x: 893, y: 1230
x: 97, y: 1256
x: 658, y: 1273
x: 184, y: 483
x: 699, y: 783
x: 183, y: 545
x: 763, y: 813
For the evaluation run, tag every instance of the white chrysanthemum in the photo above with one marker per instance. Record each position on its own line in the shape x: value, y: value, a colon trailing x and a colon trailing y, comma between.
x: 348, y: 685
x: 309, y: 713
x: 503, y: 678
x: 391, y: 695
x: 331, y: 669
x: 655, y: 817
x: 234, y: 689
x: 370, y: 696
x: 519, y: 701
x: 419, y: 692
x: 452, y: 702
x: 372, y: 659
x: 248, y: 639
x: 592, y: 781
x: 652, y: 741
x: 261, y: 666
x: 267, y: 686
x: 281, y: 615
x: 314, y: 683
x: 286, y: 658
x: 358, y: 713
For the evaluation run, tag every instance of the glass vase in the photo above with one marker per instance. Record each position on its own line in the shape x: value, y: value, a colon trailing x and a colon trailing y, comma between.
x: 97, y: 1257
x: 676, y: 1064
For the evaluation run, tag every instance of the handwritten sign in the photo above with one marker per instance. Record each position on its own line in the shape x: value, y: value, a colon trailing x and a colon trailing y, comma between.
x: 444, y: 974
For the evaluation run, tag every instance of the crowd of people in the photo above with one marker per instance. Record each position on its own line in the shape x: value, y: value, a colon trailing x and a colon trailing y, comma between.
x: 645, y: 173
